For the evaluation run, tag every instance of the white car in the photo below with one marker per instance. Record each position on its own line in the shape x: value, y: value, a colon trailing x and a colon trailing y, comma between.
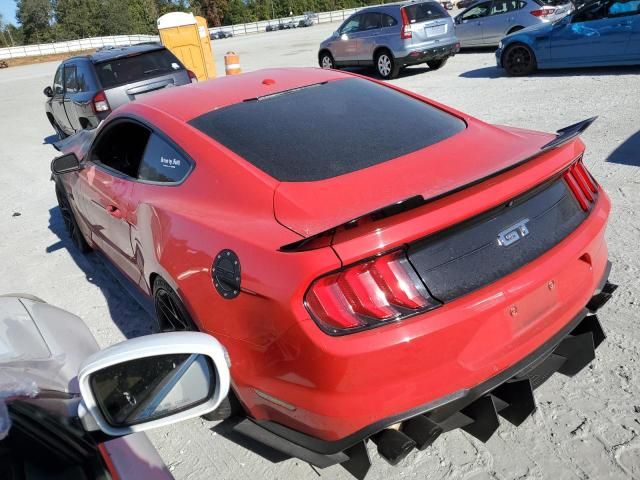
x: 73, y: 412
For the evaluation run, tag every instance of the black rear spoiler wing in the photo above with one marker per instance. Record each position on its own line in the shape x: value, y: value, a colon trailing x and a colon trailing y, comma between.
x: 564, y: 135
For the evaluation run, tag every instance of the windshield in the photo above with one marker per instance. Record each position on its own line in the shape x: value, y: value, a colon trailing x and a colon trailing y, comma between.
x: 325, y: 130
x: 137, y: 67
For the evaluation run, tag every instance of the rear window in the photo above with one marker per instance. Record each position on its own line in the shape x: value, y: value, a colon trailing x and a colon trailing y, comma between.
x: 329, y: 129
x: 137, y: 67
x: 423, y: 12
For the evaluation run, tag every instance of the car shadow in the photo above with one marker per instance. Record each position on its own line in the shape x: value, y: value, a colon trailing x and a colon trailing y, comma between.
x: 130, y: 310
x: 627, y: 153
x: 495, y: 72
x: 225, y: 429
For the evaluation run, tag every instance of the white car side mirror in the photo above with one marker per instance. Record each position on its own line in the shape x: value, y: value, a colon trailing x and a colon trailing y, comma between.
x: 152, y: 381
x: 344, y: 36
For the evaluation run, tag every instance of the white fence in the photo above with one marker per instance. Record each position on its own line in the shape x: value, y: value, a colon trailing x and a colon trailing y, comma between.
x: 120, y: 40
x: 74, y: 45
x: 256, y: 27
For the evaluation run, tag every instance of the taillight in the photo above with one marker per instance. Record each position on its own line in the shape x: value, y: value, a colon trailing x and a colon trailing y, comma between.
x: 543, y: 12
x: 581, y: 184
x: 405, y: 31
x: 99, y: 103
x: 367, y: 295
x: 192, y: 76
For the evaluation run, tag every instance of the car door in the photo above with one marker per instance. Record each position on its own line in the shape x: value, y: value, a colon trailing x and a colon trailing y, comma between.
x: 107, y: 182
x: 367, y: 36
x: 500, y: 20
x: 590, y: 37
x: 71, y: 91
x: 57, y: 101
x: 469, y: 24
x: 345, y: 47
x: 629, y: 12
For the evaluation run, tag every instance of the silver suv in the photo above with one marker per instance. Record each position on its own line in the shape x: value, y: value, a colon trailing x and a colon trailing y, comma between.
x: 391, y: 37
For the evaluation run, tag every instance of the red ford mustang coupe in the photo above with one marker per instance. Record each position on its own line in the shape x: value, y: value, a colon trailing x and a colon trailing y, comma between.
x: 379, y: 266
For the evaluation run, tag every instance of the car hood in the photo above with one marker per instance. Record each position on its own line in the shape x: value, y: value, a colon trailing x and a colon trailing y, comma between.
x: 41, y: 345
x: 479, y: 151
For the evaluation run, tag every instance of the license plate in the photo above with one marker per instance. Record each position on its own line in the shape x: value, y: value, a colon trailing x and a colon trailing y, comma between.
x: 435, y: 30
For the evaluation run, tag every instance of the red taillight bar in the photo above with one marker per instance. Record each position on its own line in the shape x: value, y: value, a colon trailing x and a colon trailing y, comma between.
x: 543, y: 12
x: 405, y: 31
x: 99, y: 103
x: 367, y: 295
x: 581, y: 184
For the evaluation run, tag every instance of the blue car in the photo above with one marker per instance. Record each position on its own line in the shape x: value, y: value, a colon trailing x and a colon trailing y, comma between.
x: 598, y: 33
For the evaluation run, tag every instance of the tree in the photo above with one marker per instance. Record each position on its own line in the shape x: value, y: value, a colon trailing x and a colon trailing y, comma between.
x: 142, y: 16
x: 212, y: 10
x: 77, y: 18
x: 35, y: 18
x: 236, y: 12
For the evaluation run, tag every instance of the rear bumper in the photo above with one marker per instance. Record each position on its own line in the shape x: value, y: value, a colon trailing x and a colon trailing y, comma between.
x: 509, y: 395
x: 432, y: 53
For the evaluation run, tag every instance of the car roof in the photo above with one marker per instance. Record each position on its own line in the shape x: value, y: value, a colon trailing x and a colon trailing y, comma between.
x: 190, y: 101
x: 394, y: 6
x: 111, y: 53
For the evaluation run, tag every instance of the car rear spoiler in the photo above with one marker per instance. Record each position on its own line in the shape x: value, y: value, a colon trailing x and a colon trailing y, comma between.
x: 325, y: 238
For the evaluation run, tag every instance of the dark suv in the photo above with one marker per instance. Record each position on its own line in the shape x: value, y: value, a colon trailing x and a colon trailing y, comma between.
x: 87, y: 88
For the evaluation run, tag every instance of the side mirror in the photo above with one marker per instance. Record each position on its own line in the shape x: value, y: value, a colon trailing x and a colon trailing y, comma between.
x: 152, y: 381
x: 458, y: 20
x: 65, y: 164
x: 48, y: 91
x: 344, y: 36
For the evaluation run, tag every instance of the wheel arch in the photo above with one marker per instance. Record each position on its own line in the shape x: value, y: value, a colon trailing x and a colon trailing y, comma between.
x: 514, y: 29
x: 324, y: 50
x: 381, y: 48
x: 521, y: 43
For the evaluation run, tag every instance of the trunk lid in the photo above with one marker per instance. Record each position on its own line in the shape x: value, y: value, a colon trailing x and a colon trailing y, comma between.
x: 309, y: 208
x: 428, y: 22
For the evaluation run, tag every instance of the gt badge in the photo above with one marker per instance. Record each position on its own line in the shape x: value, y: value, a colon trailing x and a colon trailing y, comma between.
x: 514, y: 233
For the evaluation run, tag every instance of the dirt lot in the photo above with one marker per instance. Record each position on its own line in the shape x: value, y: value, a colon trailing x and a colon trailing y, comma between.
x: 585, y: 427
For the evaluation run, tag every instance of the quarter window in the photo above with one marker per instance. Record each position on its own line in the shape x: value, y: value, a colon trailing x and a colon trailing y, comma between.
x: 162, y: 163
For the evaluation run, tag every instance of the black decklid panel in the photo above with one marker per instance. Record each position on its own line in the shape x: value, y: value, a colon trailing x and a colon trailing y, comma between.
x: 488, y: 247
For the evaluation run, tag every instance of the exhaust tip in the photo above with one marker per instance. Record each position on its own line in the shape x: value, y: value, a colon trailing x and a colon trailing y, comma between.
x: 421, y: 430
x: 393, y: 445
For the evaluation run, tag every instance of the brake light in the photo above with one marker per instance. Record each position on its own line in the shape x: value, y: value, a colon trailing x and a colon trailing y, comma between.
x: 405, y: 31
x: 192, y: 76
x: 99, y: 103
x: 543, y: 12
x: 368, y: 294
x: 581, y: 184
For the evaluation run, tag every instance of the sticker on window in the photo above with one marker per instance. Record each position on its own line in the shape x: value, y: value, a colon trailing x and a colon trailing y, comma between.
x: 175, y: 66
x: 170, y: 162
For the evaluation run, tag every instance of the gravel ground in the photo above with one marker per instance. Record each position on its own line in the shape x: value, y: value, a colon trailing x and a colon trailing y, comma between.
x: 585, y: 427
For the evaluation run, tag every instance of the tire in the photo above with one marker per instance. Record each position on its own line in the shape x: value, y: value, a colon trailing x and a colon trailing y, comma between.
x: 437, y: 64
x: 326, y: 61
x: 386, y: 66
x: 519, y: 60
x: 70, y: 223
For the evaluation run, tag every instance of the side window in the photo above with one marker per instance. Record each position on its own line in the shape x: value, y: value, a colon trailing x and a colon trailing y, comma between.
x: 162, y: 163
x: 503, y: 6
x: 351, y: 25
x: 388, y: 20
x: 57, y: 81
x: 596, y: 11
x: 121, y: 148
x: 70, y: 80
x: 370, y: 21
x: 480, y: 10
x: 83, y: 77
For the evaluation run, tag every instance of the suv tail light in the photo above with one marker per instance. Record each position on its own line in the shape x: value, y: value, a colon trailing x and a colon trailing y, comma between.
x: 405, y: 31
x: 543, y: 12
x: 99, y: 103
x: 192, y: 76
x: 582, y: 184
x: 367, y: 295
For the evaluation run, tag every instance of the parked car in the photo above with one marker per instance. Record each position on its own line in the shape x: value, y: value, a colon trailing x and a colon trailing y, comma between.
x: 309, y: 19
x: 220, y: 34
x: 87, y: 88
x: 68, y: 410
x: 601, y: 33
x: 485, y: 23
x: 332, y: 260
x: 391, y: 37
x: 446, y: 4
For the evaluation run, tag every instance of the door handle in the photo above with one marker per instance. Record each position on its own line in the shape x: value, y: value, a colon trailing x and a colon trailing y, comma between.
x: 114, y: 211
